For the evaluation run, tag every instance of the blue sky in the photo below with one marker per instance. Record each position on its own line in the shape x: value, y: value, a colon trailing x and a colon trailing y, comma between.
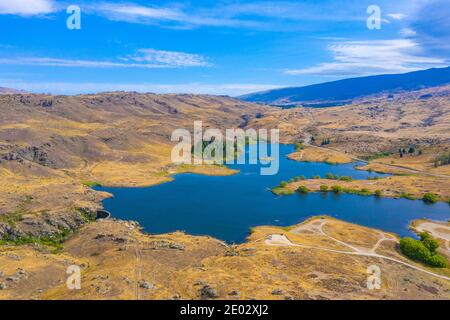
x: 216, y: 47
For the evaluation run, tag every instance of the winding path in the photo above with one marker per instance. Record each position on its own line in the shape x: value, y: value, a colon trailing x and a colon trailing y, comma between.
x: 282, y: 240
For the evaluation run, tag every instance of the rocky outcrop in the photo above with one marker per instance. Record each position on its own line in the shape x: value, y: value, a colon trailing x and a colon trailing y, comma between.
x: 44, y: 225
x: 36, y: 154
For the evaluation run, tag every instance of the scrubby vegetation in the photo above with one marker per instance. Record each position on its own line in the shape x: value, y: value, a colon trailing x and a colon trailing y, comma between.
x: 91, y: 184
x: 442, y: 159
x: 299, y: 146
x: 378, y: 155
x: 430, y: 197
x: 324, y: 188
x: 408, y: 196
x: 54, y: 242
x: 331, y: 176
x: 282, y: 189
x: 337, y: 189
x: 12, y: 218
x: 423, y: 250
x: 302, y: 190
x: 362, y: 192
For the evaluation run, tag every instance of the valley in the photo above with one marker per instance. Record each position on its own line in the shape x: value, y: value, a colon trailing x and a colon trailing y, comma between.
x: 56, y: 150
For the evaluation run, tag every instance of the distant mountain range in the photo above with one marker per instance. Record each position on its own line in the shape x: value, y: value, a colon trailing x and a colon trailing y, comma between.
x: 345, y: 91
x: 10, y: 91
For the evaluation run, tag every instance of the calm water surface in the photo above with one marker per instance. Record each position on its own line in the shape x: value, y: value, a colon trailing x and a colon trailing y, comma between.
x: 227, y: 207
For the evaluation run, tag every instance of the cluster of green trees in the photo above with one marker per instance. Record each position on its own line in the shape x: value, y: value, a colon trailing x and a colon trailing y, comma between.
x: 377, y: 156
x: 430, y: 197
x: 337, y: 189
x: 411, y: 150
x: 423, y: 250
x: 282, y: 189
x: 236, y: 151
x: 302, y: 190
x: 299, y: 146
x: 331, y: 176
x: 442, y: 159
x: 325, y: 142
x: 296, y: 179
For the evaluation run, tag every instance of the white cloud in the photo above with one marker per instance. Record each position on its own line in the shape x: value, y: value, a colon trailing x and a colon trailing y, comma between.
x: 231, y: 89
x: 286, y: 15
x: 169, y: 58
x: 144, y: 58
x: 135, y: 13
x: 397, y: 16
x: 352, y: 58
x: 407, y: 32
x: 26, y: 7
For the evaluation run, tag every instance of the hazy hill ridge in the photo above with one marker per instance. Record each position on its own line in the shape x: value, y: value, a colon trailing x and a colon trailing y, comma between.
x: 345, y: 91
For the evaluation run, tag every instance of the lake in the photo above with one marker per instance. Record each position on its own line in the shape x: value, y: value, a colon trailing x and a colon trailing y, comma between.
x: 227, y: 207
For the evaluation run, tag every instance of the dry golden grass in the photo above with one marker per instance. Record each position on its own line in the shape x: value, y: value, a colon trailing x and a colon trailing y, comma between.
x: 394, y: 186
x: 313, y: 154
x: 122, y: 139
x: 116, y: 258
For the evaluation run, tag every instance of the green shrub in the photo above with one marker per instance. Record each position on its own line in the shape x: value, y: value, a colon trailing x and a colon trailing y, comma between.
x: 378, y: 193
x: 438, y: 261
x: 417, y: 250
x: 428, y: 242
x: 337, y: 189
x: 346, y: 178
x: 414, y: 249
x: 279, y: 191
x: 331, y: 176
x: 299, y: 146
x: 303, y: 190
x: 429, y: 197
x: 91, y: 184
x: 442, y: 159
x: 408, y: 196
x: 377, y: 156
x: 316, y: 177
x: 283, y: 184
x: 324, y: 188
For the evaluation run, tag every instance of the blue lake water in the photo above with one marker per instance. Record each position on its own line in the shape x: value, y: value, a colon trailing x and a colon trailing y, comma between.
x: 227, y: 207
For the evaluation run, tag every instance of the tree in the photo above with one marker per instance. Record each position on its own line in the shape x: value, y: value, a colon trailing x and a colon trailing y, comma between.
x: 303, y: 190
x: 424, y: 250
x: 414, y: 249
x: 429, y: 197
x: 442, y: 159
x: 428, y: 242
x: 324, y: 188
x: 337, y: 189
